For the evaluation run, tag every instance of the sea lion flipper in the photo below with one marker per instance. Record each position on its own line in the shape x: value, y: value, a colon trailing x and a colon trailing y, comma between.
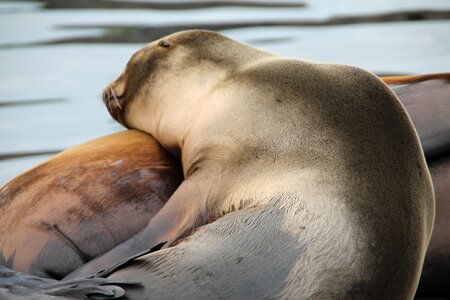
x: 14, y: 285
x: 109, y: 271
x: 171, y: 222
x: 234, y: 257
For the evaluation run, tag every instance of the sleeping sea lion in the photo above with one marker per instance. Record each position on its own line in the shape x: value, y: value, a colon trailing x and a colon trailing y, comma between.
x: 83, y: 202
x: 302, y: 180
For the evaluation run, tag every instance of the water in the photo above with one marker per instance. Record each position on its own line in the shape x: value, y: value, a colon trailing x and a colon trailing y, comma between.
x: 54, y: 63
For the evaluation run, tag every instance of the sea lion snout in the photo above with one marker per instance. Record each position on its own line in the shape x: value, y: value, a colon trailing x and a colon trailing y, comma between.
x: 113, y: 98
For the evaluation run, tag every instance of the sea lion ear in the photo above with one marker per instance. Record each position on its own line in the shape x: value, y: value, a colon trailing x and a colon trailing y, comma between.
x: 164, y: 44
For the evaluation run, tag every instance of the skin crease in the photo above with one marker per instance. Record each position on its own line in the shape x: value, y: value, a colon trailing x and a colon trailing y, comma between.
x: 291, y: 176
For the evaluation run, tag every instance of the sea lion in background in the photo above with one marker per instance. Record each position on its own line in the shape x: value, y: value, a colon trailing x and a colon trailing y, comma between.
x: 302, y: 180
x: 427, y: 100
x: 83, y: 202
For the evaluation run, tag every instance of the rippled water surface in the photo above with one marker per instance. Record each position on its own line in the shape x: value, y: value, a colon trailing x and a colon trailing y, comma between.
x: 57, y: 56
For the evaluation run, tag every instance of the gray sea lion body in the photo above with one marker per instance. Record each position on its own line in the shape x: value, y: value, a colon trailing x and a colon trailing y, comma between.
x: 302, y: 180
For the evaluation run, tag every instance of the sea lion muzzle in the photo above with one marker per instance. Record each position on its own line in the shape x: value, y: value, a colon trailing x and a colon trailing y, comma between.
x: 115, y: 103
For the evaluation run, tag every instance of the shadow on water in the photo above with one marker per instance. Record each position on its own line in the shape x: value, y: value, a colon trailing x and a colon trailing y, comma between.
x: 37, y: 153
x: 112, y: 33
x: 143, y: 34
x: 4, y: 103
x: 95, y: 4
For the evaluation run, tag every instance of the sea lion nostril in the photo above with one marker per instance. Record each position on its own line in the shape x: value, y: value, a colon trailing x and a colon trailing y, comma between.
x: 105, y: 95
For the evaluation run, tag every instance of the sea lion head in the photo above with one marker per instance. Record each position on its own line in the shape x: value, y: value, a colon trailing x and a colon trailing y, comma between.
x: 164, y: 83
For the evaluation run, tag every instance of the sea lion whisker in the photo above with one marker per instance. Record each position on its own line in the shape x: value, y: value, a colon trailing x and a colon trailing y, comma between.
x: 107, y: 103
x: 105, y: 97
x: 115, y: 98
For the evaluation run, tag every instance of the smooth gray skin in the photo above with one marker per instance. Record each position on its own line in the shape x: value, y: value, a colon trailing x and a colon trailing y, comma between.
x: 313, y: 174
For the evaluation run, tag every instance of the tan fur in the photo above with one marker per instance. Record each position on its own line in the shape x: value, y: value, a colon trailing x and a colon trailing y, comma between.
x: 308, y: 178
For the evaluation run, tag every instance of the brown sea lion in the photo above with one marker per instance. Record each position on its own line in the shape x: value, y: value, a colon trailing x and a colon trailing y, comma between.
x: 302, y: 180
x: 83, y: 202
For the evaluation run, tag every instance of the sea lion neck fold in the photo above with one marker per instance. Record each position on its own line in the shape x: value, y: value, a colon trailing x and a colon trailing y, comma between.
x: 181, y: 75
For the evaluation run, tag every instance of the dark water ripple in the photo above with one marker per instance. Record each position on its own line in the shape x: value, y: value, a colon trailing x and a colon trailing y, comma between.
x: 96, y: 4
x: 4, y: 156
x: 144, y: 34
x: 31, y: 102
